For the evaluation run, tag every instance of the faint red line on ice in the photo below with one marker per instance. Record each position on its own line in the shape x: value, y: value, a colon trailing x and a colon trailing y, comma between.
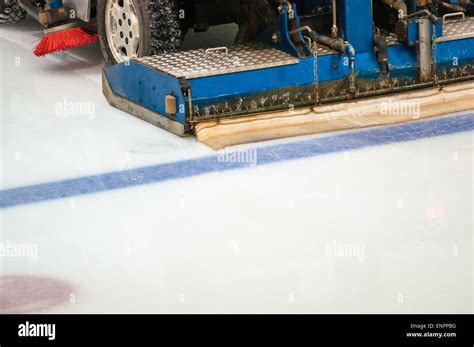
x: 31, y: 294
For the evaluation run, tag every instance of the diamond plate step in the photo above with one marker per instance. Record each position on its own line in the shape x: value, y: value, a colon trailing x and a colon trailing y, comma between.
x: 205, y: 63
x: 457, y: 30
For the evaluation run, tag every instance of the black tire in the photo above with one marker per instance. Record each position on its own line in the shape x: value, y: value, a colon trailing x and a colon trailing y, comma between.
x: 11, y: 12
x: 160, y: 28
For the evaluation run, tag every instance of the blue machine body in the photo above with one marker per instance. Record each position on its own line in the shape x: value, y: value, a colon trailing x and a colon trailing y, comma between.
x: 210, y: 96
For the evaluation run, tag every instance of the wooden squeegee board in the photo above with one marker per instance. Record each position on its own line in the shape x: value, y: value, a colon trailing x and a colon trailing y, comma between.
x: 387, y: 110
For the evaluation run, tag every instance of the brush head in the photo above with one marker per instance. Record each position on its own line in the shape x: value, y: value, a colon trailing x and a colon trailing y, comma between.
x: 64, y: 40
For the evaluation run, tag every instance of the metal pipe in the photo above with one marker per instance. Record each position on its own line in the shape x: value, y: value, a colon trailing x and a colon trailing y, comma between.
x: 335, y: 29
x: 381, y: 43
x: 433, y: 19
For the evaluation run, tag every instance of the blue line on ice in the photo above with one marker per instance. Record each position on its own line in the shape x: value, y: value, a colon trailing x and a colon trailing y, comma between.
x: 266, y: 155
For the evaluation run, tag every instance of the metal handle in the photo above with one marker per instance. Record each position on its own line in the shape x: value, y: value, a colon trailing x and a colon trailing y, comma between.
x: 457, y: 14
x: 218, y: 49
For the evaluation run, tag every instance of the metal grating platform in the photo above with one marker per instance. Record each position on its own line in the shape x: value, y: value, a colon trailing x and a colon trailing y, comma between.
x: 457, y: 30
x: 392, y: 38
x: 204, y: 63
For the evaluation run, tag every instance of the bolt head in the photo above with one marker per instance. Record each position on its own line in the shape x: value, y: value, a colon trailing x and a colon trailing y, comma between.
x: 275, y: 38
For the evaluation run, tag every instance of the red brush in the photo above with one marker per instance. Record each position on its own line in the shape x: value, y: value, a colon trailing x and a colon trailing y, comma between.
x: 61, y: 40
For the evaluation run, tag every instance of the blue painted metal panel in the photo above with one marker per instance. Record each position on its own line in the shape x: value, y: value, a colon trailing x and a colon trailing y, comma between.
x: 412, y: 32
x: 254, y: 80
x: 455, y: 52
x: 146, y: 87
x: 402, y: 60
x: 355, y: 20
x: 332, y: 67
x: 367, y: 65
x: 439, y: 28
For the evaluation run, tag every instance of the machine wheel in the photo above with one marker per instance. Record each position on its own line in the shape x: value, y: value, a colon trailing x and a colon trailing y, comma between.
x: 10, y: 12
x: 136, y: 28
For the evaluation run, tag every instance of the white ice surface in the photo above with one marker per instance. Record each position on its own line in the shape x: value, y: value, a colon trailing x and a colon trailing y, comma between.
x: 251, y: 240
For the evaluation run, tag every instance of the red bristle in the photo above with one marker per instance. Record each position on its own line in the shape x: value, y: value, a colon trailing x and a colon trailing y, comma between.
x: 64, y: 40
